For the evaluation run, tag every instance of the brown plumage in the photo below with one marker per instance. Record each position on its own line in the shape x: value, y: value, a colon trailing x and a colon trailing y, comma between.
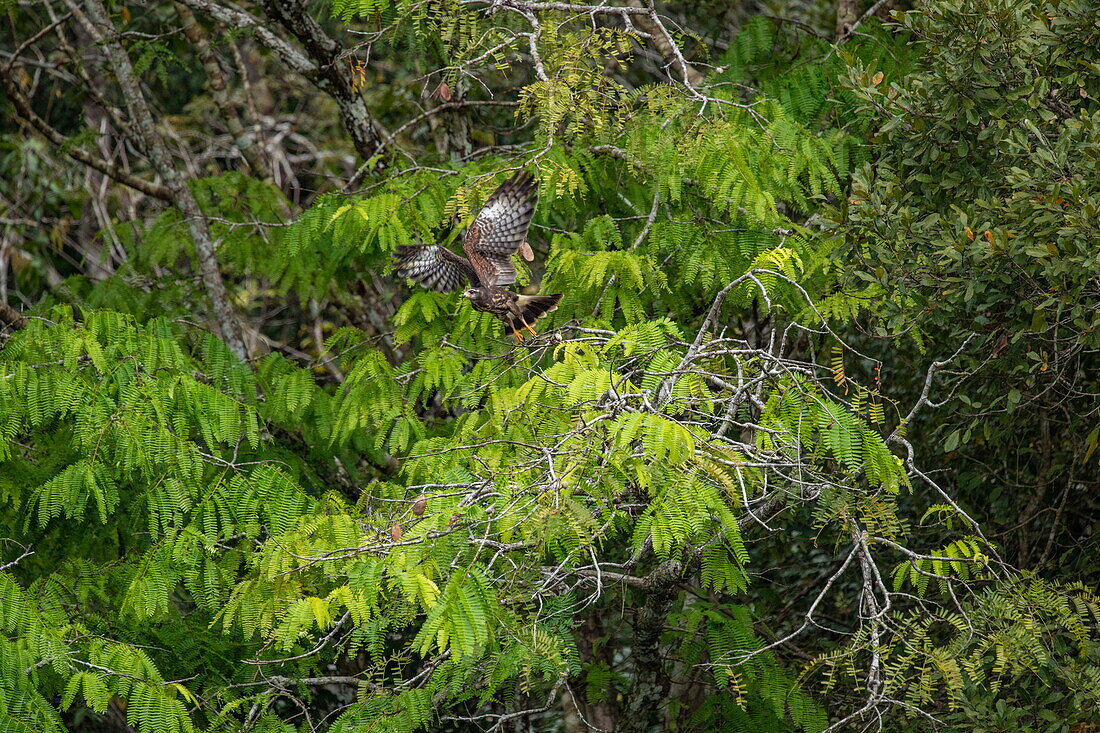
x: 498, y: 232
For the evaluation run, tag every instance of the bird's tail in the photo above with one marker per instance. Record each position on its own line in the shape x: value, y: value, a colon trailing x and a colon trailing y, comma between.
x: 532, y: 308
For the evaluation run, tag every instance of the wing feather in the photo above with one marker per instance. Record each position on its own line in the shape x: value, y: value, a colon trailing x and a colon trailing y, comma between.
x: 434, y: 267
x: 500, y: 230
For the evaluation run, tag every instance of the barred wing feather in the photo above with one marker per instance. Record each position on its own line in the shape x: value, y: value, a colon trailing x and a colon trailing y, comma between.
x: 434, y: 267
x: 500, y: 230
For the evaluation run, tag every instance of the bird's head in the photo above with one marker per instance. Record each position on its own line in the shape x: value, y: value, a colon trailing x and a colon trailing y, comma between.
x: 470, y: 294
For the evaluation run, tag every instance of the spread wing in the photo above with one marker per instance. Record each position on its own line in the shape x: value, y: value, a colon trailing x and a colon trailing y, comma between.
x: 500, y: 229
x: 434, y: 267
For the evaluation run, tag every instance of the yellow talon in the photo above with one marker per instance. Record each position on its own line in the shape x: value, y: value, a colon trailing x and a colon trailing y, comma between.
x: 530, y: 330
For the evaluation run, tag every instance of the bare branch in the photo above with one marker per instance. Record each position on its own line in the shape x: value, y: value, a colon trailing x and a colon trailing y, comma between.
x: 219, y: 91
x: 13, y: 563
x: 99, y: 27
x: 23, y: 109
x: 235, y: 18
x: 330, y: 73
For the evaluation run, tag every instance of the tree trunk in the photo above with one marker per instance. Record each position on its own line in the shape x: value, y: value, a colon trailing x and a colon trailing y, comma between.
x: 244, y: 140
x: 845, y: 18
x: 99, y: 26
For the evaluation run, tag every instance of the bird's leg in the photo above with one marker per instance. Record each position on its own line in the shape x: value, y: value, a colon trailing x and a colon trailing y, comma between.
x: 526, y: 324
x: 517, y: 318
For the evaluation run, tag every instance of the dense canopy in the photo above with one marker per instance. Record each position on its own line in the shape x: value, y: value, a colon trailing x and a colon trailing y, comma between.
x: 809, y: 444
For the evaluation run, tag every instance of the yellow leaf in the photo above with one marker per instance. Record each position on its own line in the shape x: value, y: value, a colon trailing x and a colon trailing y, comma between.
x: 321, y: 611
x: 429, y: 591
x: 185, y: 692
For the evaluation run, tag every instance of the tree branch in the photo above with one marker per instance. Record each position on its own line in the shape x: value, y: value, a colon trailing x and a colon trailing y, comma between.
x: 218, y: 90
x: 235, y: 18
x: 666, y: 46
x: 10, y: 318
x: 23, y: 109
x: 13, y: 563
x: 329, y: 73
x: 101, y: 30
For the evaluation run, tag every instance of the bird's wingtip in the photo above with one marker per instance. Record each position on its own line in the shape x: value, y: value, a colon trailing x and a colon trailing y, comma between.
x: 522, y: 178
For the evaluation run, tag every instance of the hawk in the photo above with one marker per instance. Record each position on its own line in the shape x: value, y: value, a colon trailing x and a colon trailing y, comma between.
x: 498, y: 232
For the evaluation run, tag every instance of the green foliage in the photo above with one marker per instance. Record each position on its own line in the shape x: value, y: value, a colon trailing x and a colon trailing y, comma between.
x: 220, y: 512
x: 155, y: 55
x: 391, y: 518
x: 995, y: 640
x: 962, y: 559
x: 977, y: 221
x: 1017, y: 195
x: 761, y: 694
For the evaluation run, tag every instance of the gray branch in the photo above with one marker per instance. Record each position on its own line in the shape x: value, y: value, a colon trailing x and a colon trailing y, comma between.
x: 103, y: 32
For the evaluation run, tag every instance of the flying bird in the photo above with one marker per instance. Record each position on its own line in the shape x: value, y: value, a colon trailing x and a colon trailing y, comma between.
x: 498, y: 232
